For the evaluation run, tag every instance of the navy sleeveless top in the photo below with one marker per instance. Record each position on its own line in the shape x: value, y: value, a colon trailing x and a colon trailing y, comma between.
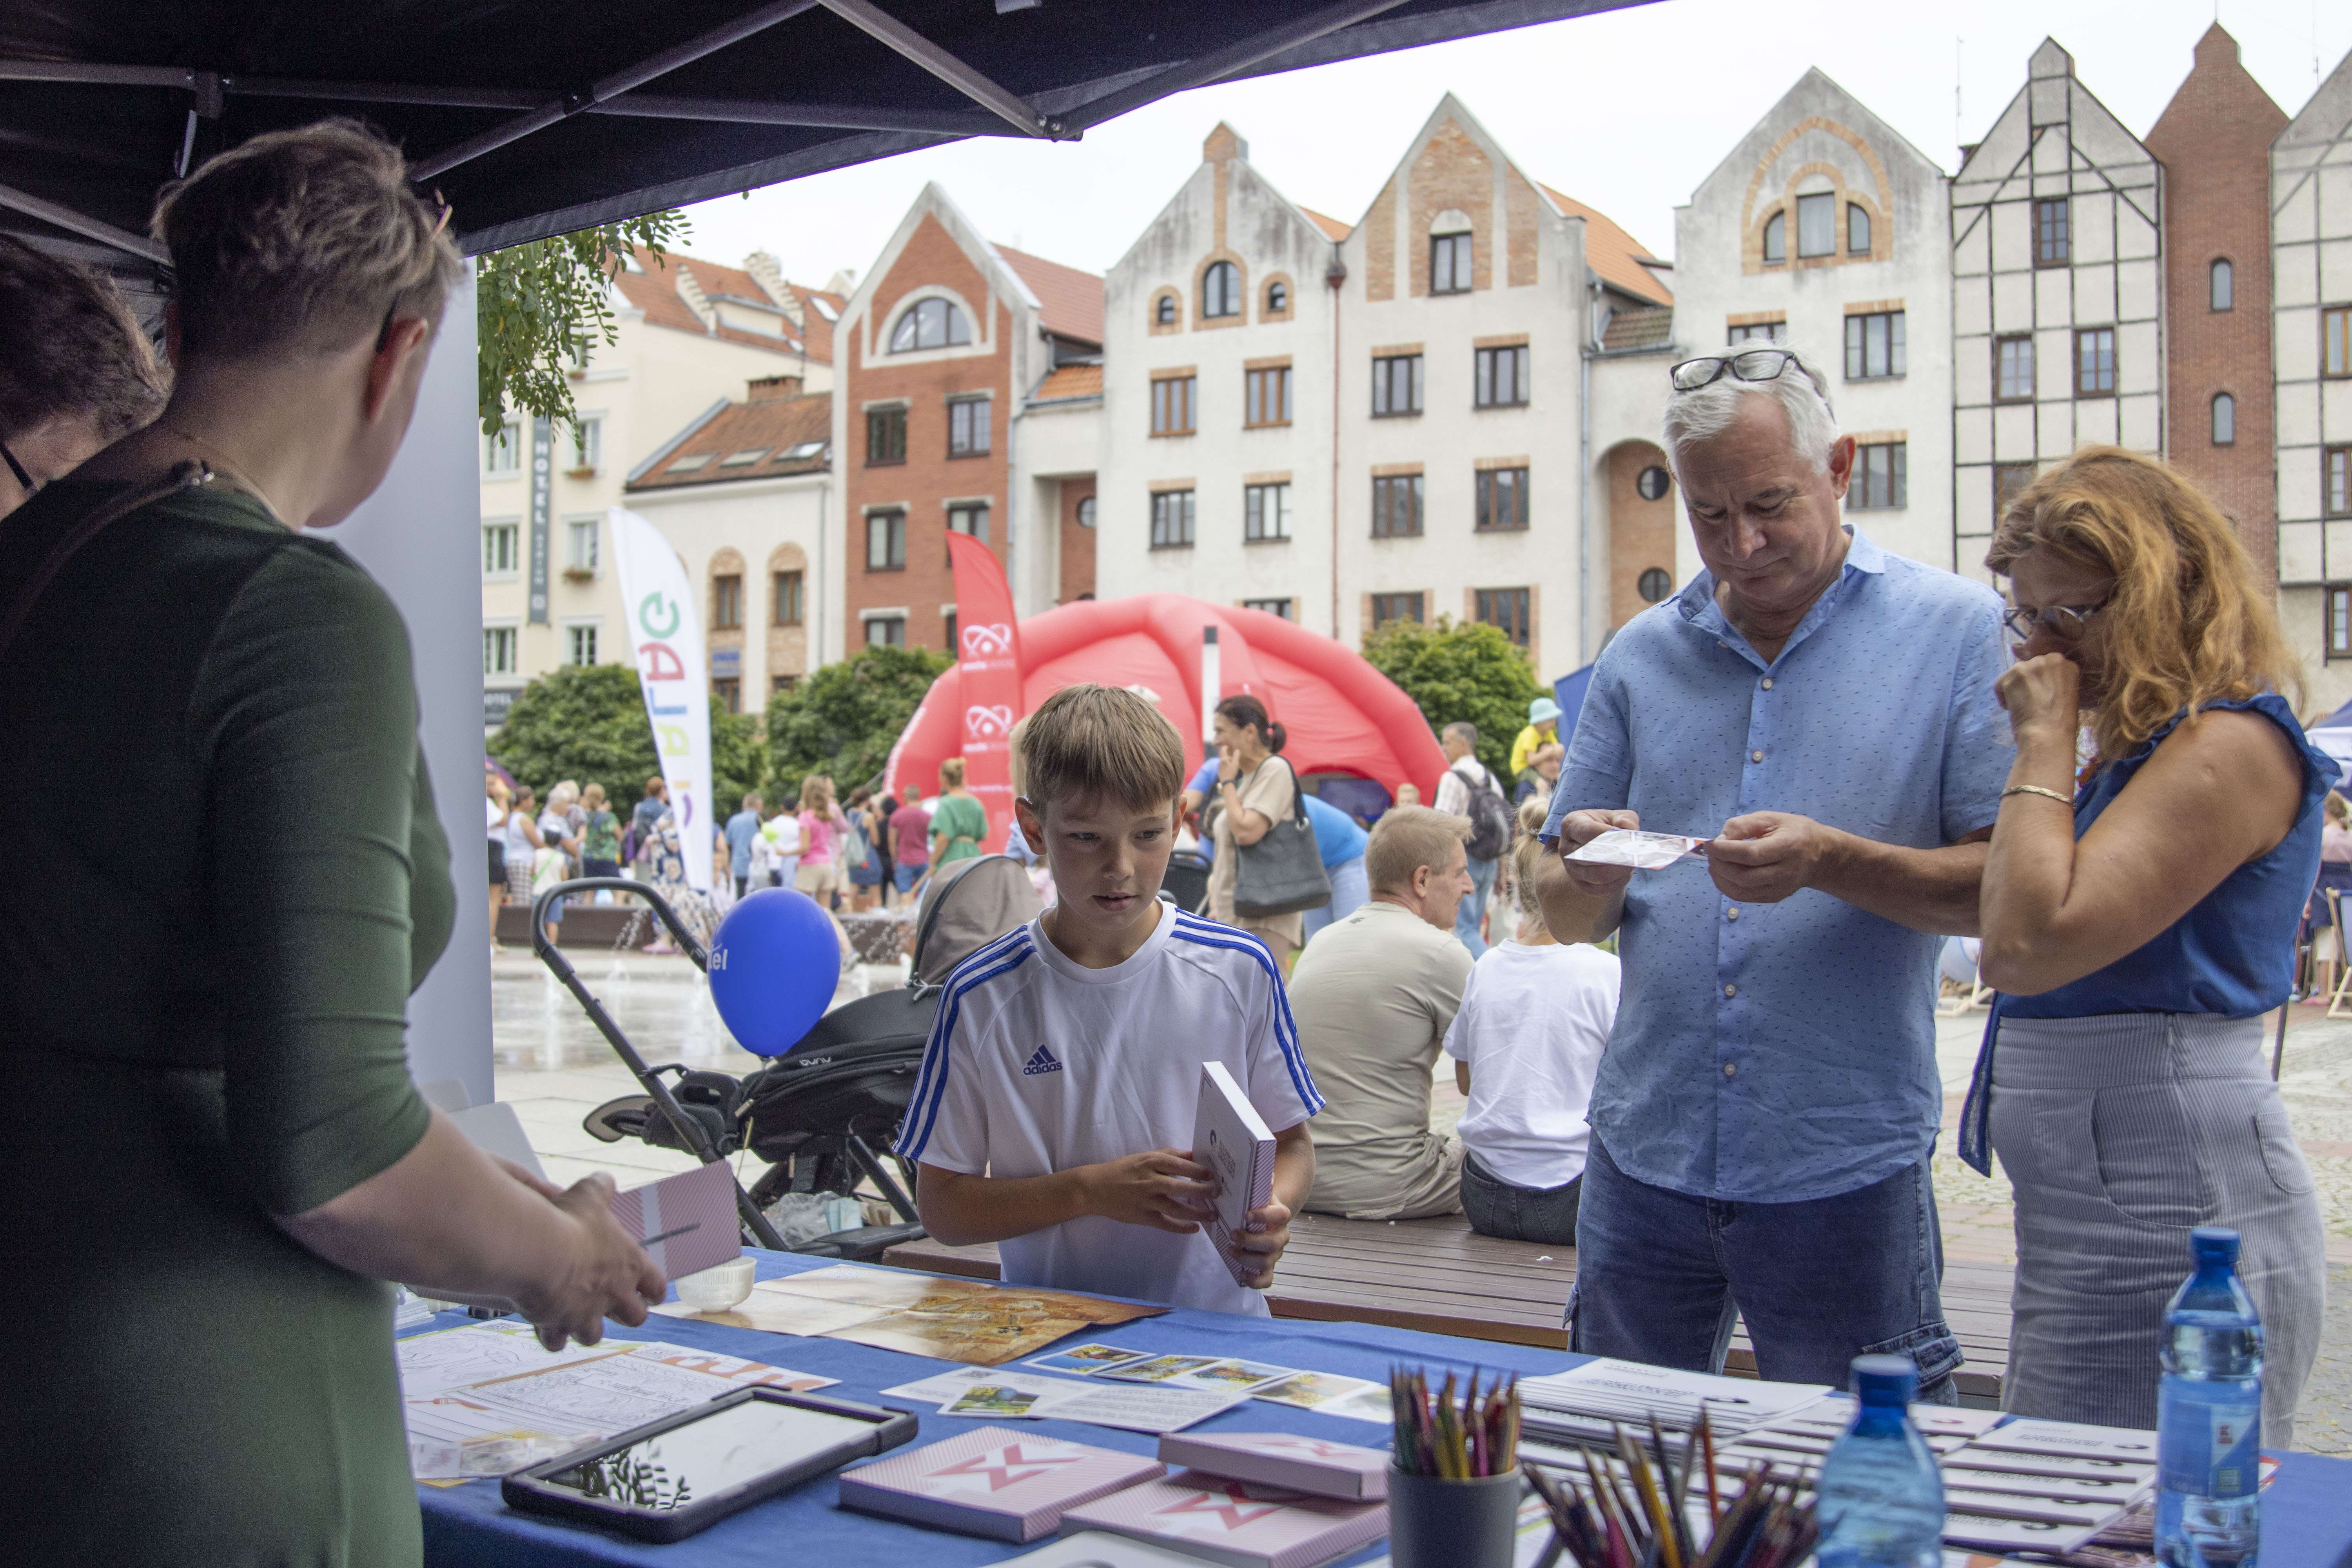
x: 2234, y: 953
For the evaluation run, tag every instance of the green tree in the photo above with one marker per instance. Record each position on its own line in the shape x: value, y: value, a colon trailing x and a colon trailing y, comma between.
x: 844, y: 719
x: 538, y: 307
x: 1456, y: 672
x: 587, y: 723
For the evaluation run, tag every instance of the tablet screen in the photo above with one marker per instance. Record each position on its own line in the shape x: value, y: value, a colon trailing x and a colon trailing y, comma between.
x: 701, y: 1458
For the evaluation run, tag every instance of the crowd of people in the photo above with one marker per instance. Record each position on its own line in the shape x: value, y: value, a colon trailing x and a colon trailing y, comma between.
x: 1732, y: 1113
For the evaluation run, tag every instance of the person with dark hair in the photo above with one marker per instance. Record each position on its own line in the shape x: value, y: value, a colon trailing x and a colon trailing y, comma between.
x: 75, y: 371
x: 1255, y: 789
x: 232, y: 988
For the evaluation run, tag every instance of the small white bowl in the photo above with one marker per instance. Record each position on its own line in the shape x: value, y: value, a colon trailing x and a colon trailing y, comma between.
x: 718, y: 1290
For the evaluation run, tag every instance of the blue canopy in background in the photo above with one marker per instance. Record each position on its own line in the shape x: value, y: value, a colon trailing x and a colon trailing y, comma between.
x: 1568, y: 692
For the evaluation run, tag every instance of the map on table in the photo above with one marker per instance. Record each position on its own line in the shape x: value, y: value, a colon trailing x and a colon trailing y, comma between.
x: 976, y: 1321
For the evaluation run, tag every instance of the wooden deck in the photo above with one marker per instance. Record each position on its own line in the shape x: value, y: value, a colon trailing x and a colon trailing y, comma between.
x: 1440, y: 1275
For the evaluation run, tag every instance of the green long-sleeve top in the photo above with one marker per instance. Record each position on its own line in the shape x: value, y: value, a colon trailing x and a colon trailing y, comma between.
x: 223, y: 875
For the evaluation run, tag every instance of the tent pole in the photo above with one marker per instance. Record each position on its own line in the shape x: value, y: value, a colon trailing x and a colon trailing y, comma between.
x: 612, y: 86
x: 88, y: 227
x: 872, y: 19
x: 1219, y: 64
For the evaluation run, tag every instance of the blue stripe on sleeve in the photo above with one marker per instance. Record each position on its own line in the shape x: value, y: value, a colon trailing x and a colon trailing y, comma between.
x: 931, y: 1082
x: 1208, y: 933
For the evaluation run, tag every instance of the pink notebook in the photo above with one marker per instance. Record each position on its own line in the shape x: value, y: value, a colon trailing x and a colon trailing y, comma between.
x: 1009, y: 1484
x: 1240, y: 1524
x: 1345, y: 1470
x: 687, y: 1222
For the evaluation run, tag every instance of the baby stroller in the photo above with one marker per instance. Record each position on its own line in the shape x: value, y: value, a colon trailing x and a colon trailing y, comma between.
x: 819, y: 1112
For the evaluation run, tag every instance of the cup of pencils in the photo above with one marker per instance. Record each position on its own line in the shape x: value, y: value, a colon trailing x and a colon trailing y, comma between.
x: 1454, y: 1478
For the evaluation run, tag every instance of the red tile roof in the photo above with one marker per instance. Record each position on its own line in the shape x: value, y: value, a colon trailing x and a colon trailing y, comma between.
x: 1639, y: 327
x: 1332, y: 227
x: 1612, y: 253
x: 655, y: 291
x: 771, y: 427
x: 1069, y: 381
x: 1070, y: 301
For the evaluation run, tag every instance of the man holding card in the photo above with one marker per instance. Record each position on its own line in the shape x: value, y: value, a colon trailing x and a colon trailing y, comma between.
x: 1823, y: 713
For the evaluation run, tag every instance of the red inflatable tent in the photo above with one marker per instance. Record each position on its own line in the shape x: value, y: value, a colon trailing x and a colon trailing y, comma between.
x: 1342, y: 715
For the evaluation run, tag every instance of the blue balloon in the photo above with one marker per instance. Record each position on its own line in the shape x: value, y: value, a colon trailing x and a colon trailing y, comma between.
x: 775, y: 964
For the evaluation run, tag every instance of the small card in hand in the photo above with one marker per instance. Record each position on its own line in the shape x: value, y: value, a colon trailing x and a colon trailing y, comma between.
x: 1642, y: 851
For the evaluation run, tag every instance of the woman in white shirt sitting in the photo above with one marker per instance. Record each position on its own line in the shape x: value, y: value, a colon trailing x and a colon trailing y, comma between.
x: 1525, y: 1046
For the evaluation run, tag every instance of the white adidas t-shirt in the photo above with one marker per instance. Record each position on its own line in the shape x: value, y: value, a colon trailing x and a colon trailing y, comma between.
x: 1037, y: 1064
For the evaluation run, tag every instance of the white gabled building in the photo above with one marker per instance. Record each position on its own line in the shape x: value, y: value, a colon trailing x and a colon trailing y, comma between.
x: 2057, y: 294
x: 2311, y: 260
x: 1825, y: 230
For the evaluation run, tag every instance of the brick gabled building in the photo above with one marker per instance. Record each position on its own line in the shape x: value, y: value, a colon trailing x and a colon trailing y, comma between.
x: 936, y: 353
x: 2214, y: 141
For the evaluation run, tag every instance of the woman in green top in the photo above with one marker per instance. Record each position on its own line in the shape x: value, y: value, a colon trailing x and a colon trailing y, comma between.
x: 960, y: 822
x: 600, y: 837
x: 216, y: 1155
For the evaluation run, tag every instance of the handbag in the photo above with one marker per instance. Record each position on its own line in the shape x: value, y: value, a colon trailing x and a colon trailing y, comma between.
x: 1282, y: 873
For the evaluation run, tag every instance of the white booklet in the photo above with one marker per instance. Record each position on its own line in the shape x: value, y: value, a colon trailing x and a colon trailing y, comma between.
x: 1232, y: 1140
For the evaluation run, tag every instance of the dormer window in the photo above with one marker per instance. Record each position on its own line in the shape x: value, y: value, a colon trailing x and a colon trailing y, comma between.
x: 930, y: 324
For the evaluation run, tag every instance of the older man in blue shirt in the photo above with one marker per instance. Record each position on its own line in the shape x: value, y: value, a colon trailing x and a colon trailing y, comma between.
x: 1823, y: 713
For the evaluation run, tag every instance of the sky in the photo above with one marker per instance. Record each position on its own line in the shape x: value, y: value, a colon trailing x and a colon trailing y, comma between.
x: 1627, y: 111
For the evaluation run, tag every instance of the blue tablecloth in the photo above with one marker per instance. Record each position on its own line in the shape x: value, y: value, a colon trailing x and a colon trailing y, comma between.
x: 2306, y: 1521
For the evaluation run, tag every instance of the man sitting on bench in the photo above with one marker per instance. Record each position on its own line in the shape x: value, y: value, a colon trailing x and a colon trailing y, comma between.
x: 1374, y: 994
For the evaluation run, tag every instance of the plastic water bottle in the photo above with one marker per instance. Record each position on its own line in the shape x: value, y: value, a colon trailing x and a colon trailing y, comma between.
x: 2209, y: 1415
x: 1881, y: 1496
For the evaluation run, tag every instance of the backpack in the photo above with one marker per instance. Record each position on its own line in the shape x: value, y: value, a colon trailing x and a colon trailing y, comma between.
x: 1491, y: 824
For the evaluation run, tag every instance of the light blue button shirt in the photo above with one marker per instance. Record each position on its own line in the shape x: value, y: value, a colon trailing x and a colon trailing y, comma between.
x: 1783, y: 1052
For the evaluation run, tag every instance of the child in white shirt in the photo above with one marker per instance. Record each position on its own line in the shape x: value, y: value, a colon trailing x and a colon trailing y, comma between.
x: 1053, y: 1112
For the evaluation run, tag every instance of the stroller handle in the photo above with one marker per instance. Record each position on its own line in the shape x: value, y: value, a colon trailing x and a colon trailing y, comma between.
x: 687, y: 1127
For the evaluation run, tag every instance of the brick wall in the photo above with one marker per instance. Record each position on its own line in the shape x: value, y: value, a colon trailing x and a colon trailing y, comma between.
x: 928, y: 478
x: 1454, y: 173
x: 1641, y: 532
x: 1077, y: 544
x: 2214, y: 140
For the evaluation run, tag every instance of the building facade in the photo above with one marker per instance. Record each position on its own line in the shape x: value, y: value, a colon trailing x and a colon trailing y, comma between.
x: 690, y: 334
x: 939, y: 349
x: 1825, y: 230
x: 2057, y: 295
x: 2311, y: 318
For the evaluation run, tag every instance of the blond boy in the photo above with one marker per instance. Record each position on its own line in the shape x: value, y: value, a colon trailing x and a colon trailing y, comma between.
x: 1053, y: 1112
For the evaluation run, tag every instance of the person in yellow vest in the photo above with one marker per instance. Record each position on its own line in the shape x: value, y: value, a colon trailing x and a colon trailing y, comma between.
x: 1543, y: 727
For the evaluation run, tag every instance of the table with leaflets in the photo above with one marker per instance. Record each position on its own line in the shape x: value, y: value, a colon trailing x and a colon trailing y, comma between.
x: 2307, y: 1520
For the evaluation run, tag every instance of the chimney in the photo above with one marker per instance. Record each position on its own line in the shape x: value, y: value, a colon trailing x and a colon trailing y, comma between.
x: 771, y: 279
x: 844, y: 282
x: 774, y: 388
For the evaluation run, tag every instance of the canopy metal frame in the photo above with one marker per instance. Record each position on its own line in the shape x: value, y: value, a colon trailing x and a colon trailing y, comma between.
x: 1060, y: 115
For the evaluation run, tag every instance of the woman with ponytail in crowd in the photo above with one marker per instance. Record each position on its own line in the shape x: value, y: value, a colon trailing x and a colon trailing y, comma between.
x: 1255, y: 789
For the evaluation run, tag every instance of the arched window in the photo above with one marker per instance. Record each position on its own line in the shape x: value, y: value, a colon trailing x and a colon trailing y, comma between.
x: 2225, y: 419
x: 1857, y: 229
x: 1163, y: 313
x: 1656, y: 584
x: 1220, y: 290
x: 1277, y: 298
x: 1776, y: 240
x: 2225, y: 285
x: 929, y: 325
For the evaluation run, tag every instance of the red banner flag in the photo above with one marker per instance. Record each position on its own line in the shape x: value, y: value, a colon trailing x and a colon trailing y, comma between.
x: 987, y: 648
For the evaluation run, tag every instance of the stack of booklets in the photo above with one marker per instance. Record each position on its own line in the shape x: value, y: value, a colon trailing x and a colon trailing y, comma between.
x: 1232, y: 1140
x: 1348, y: 1471
x: 1585, y: 1404
x: 994, y: 1482
x: 1242, y: 1524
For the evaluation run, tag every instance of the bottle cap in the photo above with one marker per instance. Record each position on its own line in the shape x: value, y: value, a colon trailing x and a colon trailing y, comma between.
x: 1885, y: 1379
x: 2213, y: 1244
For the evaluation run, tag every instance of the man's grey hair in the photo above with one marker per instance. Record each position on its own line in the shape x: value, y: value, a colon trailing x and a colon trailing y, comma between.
x: 1707, y: 412
x: 1463, y: 731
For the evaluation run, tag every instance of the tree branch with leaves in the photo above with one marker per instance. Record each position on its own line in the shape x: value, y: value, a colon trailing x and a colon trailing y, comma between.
x: 540, y: 308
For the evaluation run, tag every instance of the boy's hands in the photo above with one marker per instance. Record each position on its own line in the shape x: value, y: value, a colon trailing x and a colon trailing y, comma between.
x: 1163, y: 1188
x: 1267, y: 1236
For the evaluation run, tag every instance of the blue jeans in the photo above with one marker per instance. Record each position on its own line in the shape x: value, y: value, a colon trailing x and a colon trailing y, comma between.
x: 1472, y: 911
x: 1350, y: 892
x: 903, y: 876
x: 1661, y: 1275
x: 1518, y: 1214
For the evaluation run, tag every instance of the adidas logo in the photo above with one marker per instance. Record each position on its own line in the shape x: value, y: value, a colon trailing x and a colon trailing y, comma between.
x: 1044, y: 1061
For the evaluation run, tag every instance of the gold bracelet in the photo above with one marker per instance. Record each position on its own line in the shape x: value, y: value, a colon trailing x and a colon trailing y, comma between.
x: 2067, y: 801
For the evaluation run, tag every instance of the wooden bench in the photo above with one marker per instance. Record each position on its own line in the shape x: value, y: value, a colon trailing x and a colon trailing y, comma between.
x: 1442, y: 1276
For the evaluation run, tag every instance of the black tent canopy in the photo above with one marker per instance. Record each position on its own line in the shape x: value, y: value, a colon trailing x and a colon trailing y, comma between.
x: 536, y: 117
